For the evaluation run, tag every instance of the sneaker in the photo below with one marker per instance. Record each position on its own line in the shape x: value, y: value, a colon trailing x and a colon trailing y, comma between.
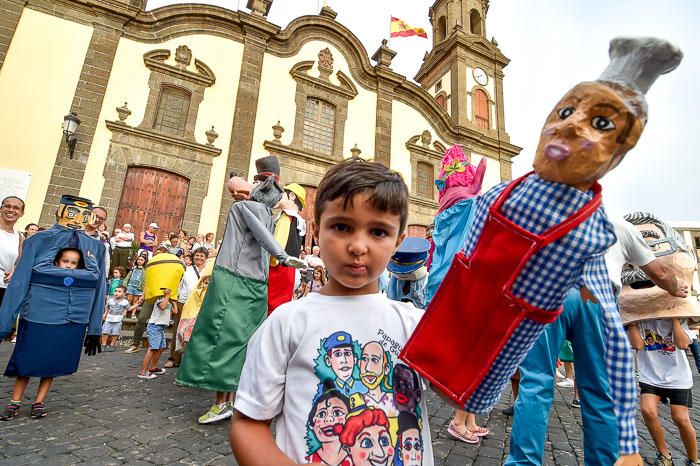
x: 148, y: 375
x: 689, y: 462
x: 11, y: 411
x: 38, y: 411
x: 216, y: 413
x: 157, y: 371
x: 14, y: 340
x: 132, y: 350
x: 576, y: 403
x: 662, y: 460
x: 566, y: 383
x: 109, y: 349
x: 509, y: 411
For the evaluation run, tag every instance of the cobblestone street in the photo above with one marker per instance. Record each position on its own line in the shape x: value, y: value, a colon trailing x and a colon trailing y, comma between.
x: 103, y: 414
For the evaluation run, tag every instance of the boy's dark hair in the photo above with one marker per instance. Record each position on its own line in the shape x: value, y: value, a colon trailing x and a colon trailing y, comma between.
x: 122, y: 287
x: 173, y: 236
x: 122, y: 270
x: 59, y: 254
x: 387, y: 190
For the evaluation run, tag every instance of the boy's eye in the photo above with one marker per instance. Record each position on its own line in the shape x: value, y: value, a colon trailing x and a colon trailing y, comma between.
x: 340, y: 227
x: 379, y: 233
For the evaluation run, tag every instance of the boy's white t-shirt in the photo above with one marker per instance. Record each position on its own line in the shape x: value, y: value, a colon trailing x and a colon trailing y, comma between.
x: 160, y: 316
x: 116, y: 309
x: 660, y: 363
x: 327, y: 368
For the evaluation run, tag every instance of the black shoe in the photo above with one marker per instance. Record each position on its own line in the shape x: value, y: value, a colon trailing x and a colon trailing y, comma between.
x: 11, y: 411
x: 576, y: 404
x: 509, y: 411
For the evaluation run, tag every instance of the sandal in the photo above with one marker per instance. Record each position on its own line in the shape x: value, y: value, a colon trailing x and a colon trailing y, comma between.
x: 479, y: 431
x: 170, y: 363
x: 467, y: 437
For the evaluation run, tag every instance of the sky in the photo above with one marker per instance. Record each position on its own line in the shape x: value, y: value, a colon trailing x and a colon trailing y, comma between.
x: 553, y: 45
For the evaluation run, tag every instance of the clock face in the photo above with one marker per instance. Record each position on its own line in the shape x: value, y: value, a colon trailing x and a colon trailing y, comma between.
x: 480, y: 76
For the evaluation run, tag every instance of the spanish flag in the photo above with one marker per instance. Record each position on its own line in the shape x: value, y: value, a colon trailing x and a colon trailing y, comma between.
x: 401, y: 29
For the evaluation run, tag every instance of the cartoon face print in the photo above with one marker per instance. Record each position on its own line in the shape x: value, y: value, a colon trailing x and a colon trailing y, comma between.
x: 342, y: 360
x: 586, y: 135
x: 372, y: 447
x: 411, y: 448
x: 407, y: 391
x: 373, y: 365
x: 329, y: 414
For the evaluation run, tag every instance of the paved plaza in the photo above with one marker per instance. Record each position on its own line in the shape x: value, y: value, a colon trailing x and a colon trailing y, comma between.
x: 104, y: 415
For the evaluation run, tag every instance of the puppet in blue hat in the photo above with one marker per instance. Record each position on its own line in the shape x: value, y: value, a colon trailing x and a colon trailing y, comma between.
x: 409, y: 275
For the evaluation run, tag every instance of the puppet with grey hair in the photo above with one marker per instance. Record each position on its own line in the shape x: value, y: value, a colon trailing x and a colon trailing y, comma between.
x: 640, y: 299
x: 535, y: 238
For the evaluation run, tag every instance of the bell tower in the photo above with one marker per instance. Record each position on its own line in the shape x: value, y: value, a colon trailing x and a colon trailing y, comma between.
x: 464, y: 71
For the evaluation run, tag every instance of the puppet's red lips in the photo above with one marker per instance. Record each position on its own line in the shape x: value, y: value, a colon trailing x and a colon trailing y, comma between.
x: 556, y: 151
x: 401, y: 398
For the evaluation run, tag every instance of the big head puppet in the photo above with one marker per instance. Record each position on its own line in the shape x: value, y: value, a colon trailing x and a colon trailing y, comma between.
x: 535, y: 238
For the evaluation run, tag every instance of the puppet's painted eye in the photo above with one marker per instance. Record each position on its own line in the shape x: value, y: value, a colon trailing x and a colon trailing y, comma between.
x: 602, y: 123
x: 565, y: 112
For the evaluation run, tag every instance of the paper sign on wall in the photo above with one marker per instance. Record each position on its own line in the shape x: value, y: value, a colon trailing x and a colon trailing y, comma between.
x: 14, y: 183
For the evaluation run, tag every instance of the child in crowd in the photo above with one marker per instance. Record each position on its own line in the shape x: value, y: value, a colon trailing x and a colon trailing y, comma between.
x: 209, y: 241
x: 160, y: 319
x: 68, y: 258
x: 665, y: 375
x: 175, y: 247
x: 115, y: 310
x: 134, y: 282
x: 317, y: 282
x: 326, y: 367
x: 117, y: 279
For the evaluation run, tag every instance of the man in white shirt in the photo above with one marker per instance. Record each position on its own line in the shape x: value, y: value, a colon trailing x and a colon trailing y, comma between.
x: 123, y: 240
x: 314, y: 260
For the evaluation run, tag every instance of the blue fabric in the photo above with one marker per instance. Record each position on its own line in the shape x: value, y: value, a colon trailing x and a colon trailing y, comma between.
x: 156, y: 336
x: 452, y: 227
x: 44, y: 350
x: 112, y: 328
x: 416, y: 291
x: 695, y: 349
x: 56, y: 304
x: 582, y: 324
x: 135, y: 284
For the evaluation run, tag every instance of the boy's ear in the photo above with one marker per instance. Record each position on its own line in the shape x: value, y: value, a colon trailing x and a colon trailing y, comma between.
x: 314, y: 228
x: 399, y: 240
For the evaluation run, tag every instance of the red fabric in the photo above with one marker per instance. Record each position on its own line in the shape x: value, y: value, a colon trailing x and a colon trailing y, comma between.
x: 483, y: 282
x: 280, y: 287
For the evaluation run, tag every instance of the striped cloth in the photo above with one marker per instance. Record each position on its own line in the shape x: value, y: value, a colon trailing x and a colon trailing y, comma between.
x: 573, y: 260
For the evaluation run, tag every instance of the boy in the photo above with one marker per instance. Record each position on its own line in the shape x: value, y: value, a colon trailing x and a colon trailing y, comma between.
x: 664, y: 375
x: 115, y: 310
x: 160, y: 318
x: 314, y: 346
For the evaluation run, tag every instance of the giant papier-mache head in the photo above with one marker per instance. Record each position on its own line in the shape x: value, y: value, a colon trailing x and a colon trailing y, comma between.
x: 596, y: 123
x: 74, y: 212
x: 640, y: 299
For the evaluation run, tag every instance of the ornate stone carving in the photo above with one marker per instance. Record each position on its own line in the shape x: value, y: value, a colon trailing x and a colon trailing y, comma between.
x: 183, y: 56
x: 355, y: 151
x: 425, y: 138
x: 325, y: 62
x: 123, y: 112
x: 277, y: 131
x: 211, y: 136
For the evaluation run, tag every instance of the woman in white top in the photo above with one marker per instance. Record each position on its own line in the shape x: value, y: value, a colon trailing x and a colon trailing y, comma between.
x: 11, y: 209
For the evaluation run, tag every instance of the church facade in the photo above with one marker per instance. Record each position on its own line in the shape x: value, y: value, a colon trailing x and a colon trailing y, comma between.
x: 172, y: 100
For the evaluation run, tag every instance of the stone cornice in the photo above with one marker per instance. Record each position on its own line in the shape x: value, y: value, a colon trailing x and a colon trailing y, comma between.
x: 155, y: 61
x: 274, y: 147
x: 423, y: 202
x: 347, y: 88
x: 119, y: 127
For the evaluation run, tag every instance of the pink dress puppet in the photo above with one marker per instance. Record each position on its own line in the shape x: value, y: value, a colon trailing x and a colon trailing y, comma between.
x: 536, y: 237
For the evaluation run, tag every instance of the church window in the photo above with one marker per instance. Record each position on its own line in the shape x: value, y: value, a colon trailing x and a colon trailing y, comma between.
x: 475, y: 22
x: 481, y: 109
x: 319, y: 126
x: 438, y: 86
x: 173, y: 105
x: 441, y: 31
x: 442, y: 101
x: 424, y: 180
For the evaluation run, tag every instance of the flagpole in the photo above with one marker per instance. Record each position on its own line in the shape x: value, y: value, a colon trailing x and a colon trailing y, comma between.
x: 388, y: 41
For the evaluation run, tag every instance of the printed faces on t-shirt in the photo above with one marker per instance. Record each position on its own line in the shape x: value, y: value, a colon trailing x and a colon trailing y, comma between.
x: 366, y: 410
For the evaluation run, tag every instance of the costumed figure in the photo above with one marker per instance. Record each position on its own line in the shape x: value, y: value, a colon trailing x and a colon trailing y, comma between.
x: 290, y: 232
x: 236, y: 301
x: 535, y: 238
x: 640, y: 299
x: 409, y: 274
x: 190, y: 311
x: 58, y: 292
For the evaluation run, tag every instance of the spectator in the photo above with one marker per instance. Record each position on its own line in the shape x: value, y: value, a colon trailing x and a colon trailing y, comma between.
x: 115, y: 310
x: 123, y: 240
x: 97, y: 219
x: 160, y: 318
x: 191, y: 241
x: 188, y: 283
x: 174, y: 247
x: 317, y: 281
x: 182, y: 234
x: 209, y: 241
x: 11, y: 209
x: 30, y: 229
x: 199, y: 242
x: 148, y: 240
x: 314, y: 260
x: 134, y: 282
x: 116, y: 281
x: 187, y: 259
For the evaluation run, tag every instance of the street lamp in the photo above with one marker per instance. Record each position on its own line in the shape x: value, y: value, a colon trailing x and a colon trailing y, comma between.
x: 70, y: 126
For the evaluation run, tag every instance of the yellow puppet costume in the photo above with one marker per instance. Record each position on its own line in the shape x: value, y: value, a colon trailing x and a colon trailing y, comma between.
x: 190, y: 310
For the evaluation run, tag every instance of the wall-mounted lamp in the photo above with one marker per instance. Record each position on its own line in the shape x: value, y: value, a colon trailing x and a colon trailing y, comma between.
x: 70, y: 126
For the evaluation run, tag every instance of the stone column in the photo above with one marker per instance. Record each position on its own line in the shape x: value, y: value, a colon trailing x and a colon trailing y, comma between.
x: 67, y: 175
x: 387, y: 81
x: 257, y: 33
x: 10, y: 12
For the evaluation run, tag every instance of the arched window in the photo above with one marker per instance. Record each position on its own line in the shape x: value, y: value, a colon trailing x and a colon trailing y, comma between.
x: 319, y: 126
x: 173, y: 105
x: 475, y: 22
x: 441, y: 31
x: 481, y: 109
x: 442, y: 101
x: 425, y: 177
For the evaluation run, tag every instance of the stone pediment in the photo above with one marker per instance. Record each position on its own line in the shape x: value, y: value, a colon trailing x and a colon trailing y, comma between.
x: 157, y: 60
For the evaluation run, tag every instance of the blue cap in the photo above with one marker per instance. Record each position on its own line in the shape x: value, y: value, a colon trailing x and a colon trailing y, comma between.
x: 411, y: 255
x: 337, y: 339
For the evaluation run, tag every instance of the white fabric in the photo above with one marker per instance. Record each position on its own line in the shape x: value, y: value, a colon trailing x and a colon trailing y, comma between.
x: 116, y: 309
x: 630, y: 248
x: 124, y: 240
x: 9, y: 251
x: 188, y: 283
x: 286, y: 364
x: 660, y: 363
x: 313, y: 261
x: 160, y: 316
